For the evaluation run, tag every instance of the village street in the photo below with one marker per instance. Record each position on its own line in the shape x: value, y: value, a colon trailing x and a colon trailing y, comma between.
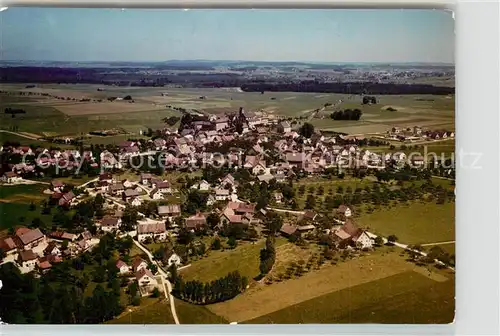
x: 164, y: 279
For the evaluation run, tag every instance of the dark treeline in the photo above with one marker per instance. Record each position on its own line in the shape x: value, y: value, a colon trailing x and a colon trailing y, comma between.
x: 132, y: 76
x: 218, y: 290
x: 347, y: 114
x: 267, y: 256
x: 349, y: 88
x: 13, y: 111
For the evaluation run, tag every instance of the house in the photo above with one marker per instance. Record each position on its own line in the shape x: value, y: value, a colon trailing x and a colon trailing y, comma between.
x: 169, y: 211
x: 284, y: 127
x: 139, y: 264
x: 87, y: 235
x: 57, y: 185
x: 239, y: 208
x: 109, y: 223
x: 222, y: 194
x: 344, y: 210
x: 60, y: 235
x: 196, y: 222
x: 350, y: 234
x: 45, y: 263
x: 27, y: 260
x: 27, y: 239
x: 288, y: 230
x: 156, y: 231
x: 146, y: 178
x: 211, y: 200
x: 116, y: 188
x: 106, y: 177
x: 67, y: 199
x: 174, y: 259
x: 278, y: 197
x: 418, y: 160
x: 309, y: 215
x: 146, y: 279
x: 83, y: 245
x: 8, y: 245
x: 162, y: 186
x: 236, y: 219
x: 259, y: 168
x: 221, y: 123
x: 122, y: 267
x: 11, y: 177
x: 228, y: 180
x: 135, y: 201
x: 305, y: 228
x: 128, y: 184
x: 129, y: 193
x: 156, y: 194
x: 52, y: 249
x: 202, y: 186
x: 295, y: 159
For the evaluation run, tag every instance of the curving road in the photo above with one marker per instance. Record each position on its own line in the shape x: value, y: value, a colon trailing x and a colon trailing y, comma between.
x: 164, y: 279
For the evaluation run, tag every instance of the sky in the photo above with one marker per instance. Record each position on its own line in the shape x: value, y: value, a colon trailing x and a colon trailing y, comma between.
x: 327, y: 35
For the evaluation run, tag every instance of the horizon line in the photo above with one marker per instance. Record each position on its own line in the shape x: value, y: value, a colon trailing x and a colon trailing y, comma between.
x: 240, y: 61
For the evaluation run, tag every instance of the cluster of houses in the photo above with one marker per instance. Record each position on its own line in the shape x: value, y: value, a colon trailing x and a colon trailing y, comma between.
x: 31, y: 249
x: 344, y: 234
x: 197, y: 142
x: 141, y: 273
x: 416, y: 133
x: 149, y: 187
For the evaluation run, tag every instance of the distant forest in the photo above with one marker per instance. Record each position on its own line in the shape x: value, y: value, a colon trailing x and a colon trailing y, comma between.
x: 349, y: 88
x: 133, y: 77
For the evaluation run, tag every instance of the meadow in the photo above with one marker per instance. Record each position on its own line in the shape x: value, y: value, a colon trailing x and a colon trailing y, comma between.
x: 151, y: 311
x: 244, y: 258
x: 417, y: 223
x: 15, y: 204
x: 408, y: 297
x: 262, y: 299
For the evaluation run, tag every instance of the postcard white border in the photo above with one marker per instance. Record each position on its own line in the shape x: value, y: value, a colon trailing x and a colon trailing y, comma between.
x: 477, y: 210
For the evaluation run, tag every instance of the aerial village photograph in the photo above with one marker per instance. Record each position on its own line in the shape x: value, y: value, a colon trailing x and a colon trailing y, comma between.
x: 212, y: 166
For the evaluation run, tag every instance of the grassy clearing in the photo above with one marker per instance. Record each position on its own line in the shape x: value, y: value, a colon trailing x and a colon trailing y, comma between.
x: 14, y: 214
x: 408, y: 297
x: 151, y: 311
x: 244, y: 258
x: 417, y: 223
x: 264, y: 299
x: 8, y: 192
x: 4, y: 137
x: 15, y: 201
x: 194, y: 314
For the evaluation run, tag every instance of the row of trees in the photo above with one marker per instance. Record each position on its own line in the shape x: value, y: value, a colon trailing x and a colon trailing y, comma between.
x: 346, y: 114
x: 218, y: 290
x: 267, y: 256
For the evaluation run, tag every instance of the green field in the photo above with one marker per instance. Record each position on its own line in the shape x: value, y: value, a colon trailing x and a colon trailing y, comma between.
x: 194, y: 314
x: 46, y: 116
x: 408, y: 298
x: 417, y: 223
x: 152, y: 311
x: 428, y: 111
x: 244, y: 258
x: 15, y: 201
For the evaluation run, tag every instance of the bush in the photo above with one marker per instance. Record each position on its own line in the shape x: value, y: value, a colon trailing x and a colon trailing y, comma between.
x: 136, y: 301
x: 155, y: 293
